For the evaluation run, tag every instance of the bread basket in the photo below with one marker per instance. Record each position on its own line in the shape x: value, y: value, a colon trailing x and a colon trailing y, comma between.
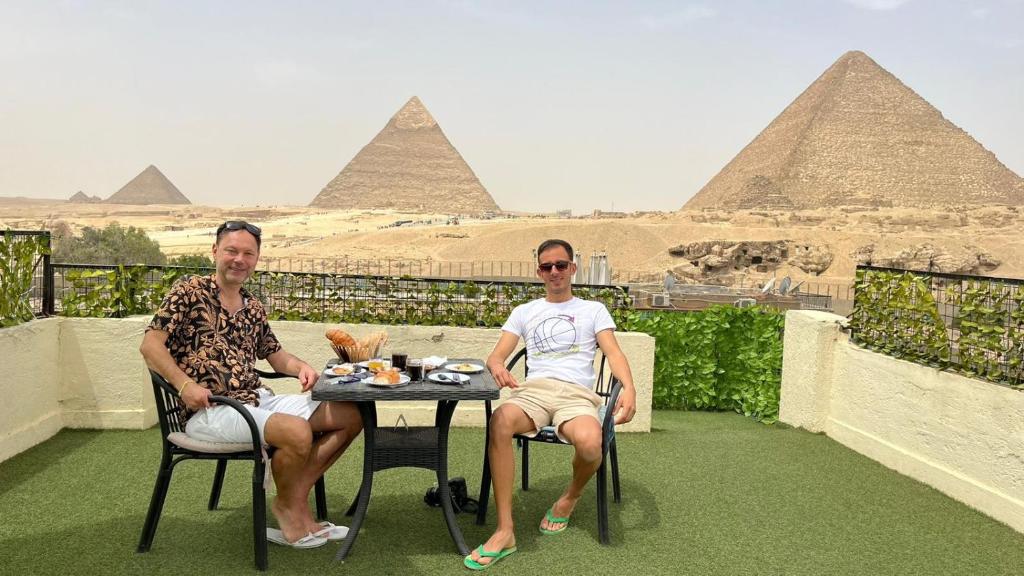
x: 362, y: 350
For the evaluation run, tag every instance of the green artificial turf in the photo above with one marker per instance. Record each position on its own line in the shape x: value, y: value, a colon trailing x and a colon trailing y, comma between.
x: 703, y: 493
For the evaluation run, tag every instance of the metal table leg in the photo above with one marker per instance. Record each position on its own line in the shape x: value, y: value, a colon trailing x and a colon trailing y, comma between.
x: 443, y: 420
x: 368, y: 410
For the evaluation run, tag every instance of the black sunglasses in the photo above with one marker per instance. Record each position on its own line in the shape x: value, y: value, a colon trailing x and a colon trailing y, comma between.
x: 562, y: 266
x: 234, y: 225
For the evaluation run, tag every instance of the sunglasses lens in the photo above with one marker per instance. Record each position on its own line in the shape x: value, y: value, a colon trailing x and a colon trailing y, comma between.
x: 546, y: 267
x: 239, y: 225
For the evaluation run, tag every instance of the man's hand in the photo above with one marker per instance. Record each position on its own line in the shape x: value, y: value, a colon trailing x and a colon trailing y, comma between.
x: 625, y: 407
x: 307, y: 377
x: 503, y: 378
x: 195, y: 396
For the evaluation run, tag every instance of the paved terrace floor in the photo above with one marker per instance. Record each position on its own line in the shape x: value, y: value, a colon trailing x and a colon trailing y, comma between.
x: 703, y: 494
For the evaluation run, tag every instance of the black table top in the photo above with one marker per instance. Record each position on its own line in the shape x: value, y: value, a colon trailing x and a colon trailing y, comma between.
x: 481, y: 386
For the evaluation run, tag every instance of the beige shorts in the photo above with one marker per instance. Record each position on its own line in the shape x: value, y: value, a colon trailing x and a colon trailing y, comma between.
x: 550, y: 402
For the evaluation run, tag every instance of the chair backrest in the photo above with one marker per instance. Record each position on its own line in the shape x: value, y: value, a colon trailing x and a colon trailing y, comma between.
x: 170, y: 412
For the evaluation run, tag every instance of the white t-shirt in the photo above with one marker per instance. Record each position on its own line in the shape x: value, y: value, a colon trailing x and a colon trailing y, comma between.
x: 561, y: 338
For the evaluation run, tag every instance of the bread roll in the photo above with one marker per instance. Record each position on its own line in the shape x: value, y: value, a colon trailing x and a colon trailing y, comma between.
x: 340, y: 337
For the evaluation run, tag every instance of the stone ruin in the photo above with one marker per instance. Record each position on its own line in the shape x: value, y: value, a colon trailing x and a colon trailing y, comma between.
x: 721, y: 261
x: 929, y: 258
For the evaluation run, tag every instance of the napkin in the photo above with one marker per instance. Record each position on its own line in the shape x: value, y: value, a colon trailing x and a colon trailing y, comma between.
x: 435, y: 361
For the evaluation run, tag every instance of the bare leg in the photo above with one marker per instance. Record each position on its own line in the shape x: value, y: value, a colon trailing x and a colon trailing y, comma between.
x: 295, y: 475
x: 584, y: 433
x: 340, y: 424
x: 506, y: 421
x: 293, y: 439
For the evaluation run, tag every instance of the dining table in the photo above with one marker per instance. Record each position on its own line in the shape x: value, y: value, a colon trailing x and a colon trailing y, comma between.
x: 397, y: 446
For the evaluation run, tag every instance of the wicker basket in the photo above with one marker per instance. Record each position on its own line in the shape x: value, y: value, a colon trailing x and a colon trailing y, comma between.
x: 362, y: 350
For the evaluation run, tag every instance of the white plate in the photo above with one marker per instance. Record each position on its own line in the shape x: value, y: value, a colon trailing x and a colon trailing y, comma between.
x: 355, y: 370
x: 448, y: 378
x: 464, y: 367
x: 402, y: 379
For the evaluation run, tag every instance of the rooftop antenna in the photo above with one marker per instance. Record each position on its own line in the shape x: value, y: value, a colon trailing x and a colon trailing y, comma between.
x: 670, y: 281
x: 784, y: 285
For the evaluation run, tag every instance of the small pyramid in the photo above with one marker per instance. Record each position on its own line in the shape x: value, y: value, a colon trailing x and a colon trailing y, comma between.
x: 410, y: 165
x: 79, y: 197
x: 858, y: 136
x: 149, y: 187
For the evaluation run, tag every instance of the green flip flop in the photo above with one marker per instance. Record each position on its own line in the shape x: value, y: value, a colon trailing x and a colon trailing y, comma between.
x: 494, y: 556
x: 552, y: 519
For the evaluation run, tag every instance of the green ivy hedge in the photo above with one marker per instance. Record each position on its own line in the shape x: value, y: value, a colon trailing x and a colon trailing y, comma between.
x: 980, y: 334
x: 19, y: 255
x: 720, y: 358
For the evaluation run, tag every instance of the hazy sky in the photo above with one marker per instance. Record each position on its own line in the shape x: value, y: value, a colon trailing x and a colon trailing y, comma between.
x: 611, y: 105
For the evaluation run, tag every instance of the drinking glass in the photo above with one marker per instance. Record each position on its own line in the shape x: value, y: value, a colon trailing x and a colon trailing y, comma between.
x: 414, y: 366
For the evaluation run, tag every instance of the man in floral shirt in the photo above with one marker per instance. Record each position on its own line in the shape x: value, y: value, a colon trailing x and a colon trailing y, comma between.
x: 205, y: 339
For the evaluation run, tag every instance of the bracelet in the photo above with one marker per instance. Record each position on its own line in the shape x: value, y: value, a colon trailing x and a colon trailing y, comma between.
x: 182, y: 389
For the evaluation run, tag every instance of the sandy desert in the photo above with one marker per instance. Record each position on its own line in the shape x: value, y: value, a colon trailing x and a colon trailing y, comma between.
x: 979, y: 240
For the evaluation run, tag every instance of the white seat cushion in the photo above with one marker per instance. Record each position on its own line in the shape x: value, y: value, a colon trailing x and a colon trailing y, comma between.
x: 183, y: 440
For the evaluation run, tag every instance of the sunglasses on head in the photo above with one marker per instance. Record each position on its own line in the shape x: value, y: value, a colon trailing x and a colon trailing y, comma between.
x: 234, y: 225
x: 562, y: 265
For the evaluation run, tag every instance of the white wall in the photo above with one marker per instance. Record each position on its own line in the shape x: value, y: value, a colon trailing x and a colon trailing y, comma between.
x: 30, y: 409
x: 962, y: 436
x: 88, y: 373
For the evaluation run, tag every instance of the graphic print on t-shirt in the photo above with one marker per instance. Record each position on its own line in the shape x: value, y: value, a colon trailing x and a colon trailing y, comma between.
x: 554, y: 336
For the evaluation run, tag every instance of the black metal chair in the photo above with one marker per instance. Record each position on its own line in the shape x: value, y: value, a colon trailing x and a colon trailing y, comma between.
x: 178, y: 447
x: 607, y: 387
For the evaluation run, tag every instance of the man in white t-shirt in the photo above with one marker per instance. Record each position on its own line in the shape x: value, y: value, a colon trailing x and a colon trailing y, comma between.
x: 562, y: 334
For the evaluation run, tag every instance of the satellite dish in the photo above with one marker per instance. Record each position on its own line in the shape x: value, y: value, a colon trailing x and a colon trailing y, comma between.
x: 796, y: 287
x: 767, y: 288
x: 784, y: 285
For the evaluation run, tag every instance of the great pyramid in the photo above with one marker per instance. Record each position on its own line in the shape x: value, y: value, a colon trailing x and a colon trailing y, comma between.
x: 410, y: 165
x: 858, y: 136
x: 149, y: 187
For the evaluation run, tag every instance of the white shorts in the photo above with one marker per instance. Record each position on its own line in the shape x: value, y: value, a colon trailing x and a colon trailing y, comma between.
x: 225, y: 424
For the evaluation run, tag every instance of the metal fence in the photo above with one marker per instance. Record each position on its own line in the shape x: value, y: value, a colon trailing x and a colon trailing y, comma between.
x: 90, y: 290
x: 971, y: 324
x: 827, y: 296
x: 39, y: 295
x: 416, y: 268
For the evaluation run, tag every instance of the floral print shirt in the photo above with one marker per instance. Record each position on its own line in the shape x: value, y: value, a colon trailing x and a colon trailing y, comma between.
x: 215, y: 348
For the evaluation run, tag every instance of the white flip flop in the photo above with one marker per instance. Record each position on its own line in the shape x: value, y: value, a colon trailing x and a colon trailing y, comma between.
x: 308, y: 541
x: 331, y: 532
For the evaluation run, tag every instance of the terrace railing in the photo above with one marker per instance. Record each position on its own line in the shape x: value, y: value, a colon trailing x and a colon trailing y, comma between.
x: 116, y: 291
x: 24, y: 266
x: 970, y: 324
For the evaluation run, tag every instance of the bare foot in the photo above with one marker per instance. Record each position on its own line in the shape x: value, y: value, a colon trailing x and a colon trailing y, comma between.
x: 562, y: 508
x: 294, y: 523
x: 498, y: 541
